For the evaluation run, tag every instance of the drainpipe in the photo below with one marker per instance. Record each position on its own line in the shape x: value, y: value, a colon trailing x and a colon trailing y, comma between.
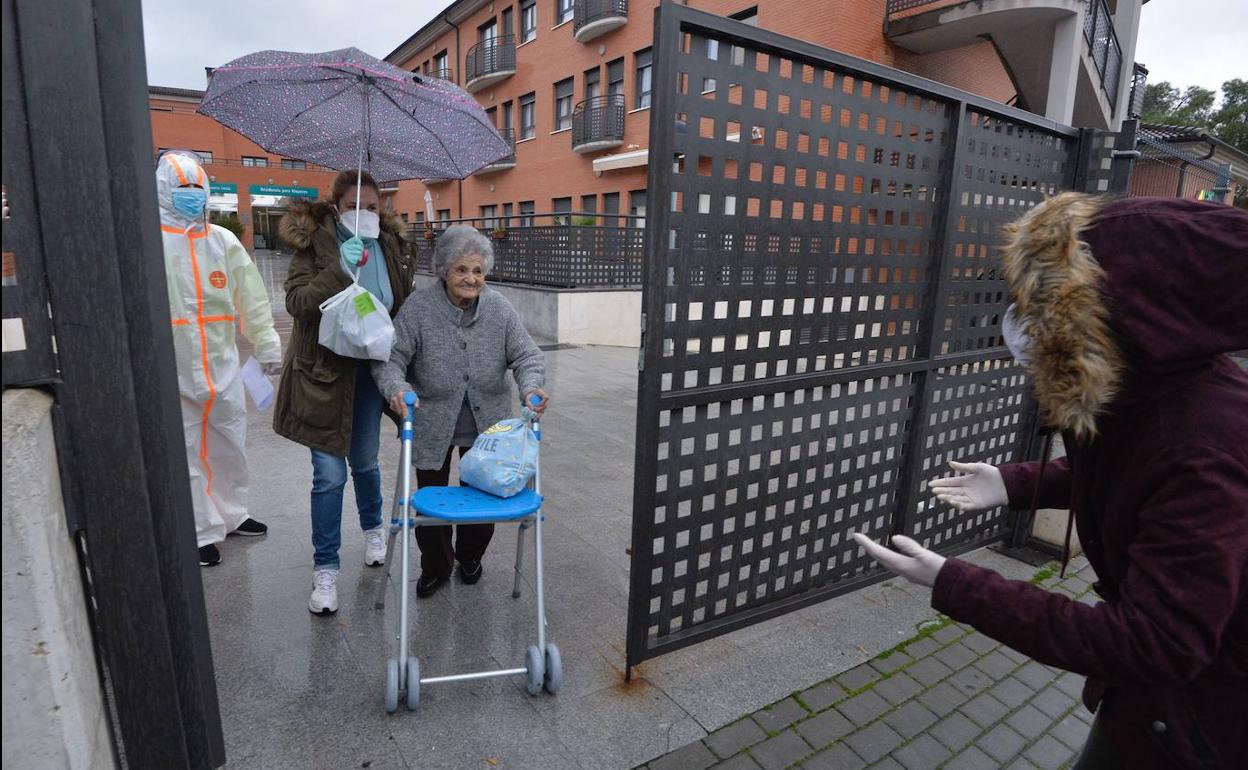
x: 1183, y: 166
x: 459, y: 64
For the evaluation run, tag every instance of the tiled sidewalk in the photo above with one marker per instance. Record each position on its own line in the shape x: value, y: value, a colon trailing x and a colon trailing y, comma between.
x: 949, y: 697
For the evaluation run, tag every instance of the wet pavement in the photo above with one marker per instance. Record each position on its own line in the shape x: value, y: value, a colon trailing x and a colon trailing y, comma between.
x: 304, y: 691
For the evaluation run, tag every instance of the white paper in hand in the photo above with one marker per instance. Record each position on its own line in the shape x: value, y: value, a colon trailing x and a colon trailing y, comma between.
x: 258, y: 385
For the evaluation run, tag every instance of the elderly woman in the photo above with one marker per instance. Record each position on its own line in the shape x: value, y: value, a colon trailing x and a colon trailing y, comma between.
x: 453, y: 345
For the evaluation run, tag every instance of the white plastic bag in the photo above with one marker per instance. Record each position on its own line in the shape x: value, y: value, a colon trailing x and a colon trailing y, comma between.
x: 355, y: 324
x: 502, y: 459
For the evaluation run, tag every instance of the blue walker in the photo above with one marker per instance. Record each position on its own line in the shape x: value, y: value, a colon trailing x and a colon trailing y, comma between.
x: 435, y: 506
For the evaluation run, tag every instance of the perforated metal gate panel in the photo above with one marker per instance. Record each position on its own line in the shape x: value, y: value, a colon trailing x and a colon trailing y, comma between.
x: 822, y: 320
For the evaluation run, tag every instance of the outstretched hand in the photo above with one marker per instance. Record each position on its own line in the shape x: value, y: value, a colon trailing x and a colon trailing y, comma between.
x: 911, y: 560
x: 978, y: 487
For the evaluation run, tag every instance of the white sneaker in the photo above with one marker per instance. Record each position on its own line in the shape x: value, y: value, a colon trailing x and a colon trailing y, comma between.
x: 324, y: 599
x: 375, y: 546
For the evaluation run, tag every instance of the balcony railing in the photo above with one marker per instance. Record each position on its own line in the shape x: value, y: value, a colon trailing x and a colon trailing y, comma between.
x: 1139, y: 80
x: 598, y: 123
x: 1098, y: 31
x: 594, y: 18
x: 509, y: 136
x: 442, y: 73
x: 529, y: 249
x: 490, y: 61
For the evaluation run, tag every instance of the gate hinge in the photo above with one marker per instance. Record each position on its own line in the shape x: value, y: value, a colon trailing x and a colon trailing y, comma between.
x: 641, y: 350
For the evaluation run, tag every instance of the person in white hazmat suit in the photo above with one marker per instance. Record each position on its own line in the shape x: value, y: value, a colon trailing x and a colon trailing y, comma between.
x: 213, y: 287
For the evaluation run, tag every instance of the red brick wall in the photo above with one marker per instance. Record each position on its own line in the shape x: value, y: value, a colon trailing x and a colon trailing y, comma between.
x: 546, y: 166
x: 175, y: 124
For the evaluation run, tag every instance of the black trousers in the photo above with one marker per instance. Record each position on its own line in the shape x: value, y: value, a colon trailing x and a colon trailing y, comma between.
x: 437, y: 553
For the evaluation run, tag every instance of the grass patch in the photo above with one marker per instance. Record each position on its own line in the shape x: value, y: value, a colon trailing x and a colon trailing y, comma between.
x: 926, y: 629
x: 1042, y: 575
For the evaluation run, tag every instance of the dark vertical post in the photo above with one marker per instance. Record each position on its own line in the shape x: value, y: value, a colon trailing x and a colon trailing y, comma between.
x: 28, y: 354
x: 907, y: 495
x: 662, y: 119
x: 127, y: 134
x: 1125, y: 155
x: 120, y: 439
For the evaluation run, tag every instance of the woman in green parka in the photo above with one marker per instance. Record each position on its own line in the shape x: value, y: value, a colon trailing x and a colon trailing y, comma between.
x: 325, y: 401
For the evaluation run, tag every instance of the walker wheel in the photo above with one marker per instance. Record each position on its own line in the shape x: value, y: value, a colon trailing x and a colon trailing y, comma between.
x: 554, y: 670
x: 392, y: 686
x: 534, y: 663
x: 413, y: 683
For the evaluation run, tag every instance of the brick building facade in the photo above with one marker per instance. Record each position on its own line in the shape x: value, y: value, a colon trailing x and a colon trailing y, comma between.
x: 554, y: 74
x: 245, y: 179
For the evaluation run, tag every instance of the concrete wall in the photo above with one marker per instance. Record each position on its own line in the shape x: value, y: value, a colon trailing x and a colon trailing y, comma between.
x: 573, y: 317
x: 54, y: 713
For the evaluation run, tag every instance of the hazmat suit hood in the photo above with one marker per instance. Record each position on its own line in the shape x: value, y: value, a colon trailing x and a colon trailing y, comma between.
x: 1121, y: 299
x: 174, y: 170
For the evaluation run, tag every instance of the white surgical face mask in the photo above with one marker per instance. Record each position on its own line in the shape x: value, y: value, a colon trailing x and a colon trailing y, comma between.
x: 1014, y: 330
x: 368, y: 227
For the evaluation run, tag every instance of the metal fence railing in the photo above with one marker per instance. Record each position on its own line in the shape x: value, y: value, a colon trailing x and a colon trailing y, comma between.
x: 1167, y: 171
x: 1098, y: 32
x: 570, y: 250
x: 1139, y: 84
x: 821, y: 320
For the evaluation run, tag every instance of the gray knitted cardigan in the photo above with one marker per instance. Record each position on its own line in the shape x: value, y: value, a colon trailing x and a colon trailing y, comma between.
x: 443, y: 352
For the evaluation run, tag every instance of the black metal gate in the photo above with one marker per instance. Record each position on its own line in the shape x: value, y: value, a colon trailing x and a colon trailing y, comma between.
x: 821, y: 318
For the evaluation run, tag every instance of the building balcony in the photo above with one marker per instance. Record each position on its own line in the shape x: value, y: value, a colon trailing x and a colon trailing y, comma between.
x: 1025, y: 35
x: 502, y: 164
x: 598, y: 123
x: 490, y: 62
x: 595, y: 18
x: 443, y: 73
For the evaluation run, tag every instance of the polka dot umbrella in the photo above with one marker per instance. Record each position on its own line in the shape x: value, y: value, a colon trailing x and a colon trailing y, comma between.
x: 347, y: 110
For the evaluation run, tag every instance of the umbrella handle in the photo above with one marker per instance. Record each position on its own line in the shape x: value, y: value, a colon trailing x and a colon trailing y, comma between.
x: 359, y: 167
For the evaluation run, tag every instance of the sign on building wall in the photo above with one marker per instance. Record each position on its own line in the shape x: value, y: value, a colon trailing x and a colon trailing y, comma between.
x: 283, y: 192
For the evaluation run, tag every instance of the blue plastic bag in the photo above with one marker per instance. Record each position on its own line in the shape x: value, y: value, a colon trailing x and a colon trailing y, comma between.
x: 502, y: 459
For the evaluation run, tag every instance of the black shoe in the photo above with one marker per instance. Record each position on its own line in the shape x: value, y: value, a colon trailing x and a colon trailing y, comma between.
x: 251, y: 528
x: 209, y: 556
x: 470, y: 572
x: 428, y: 585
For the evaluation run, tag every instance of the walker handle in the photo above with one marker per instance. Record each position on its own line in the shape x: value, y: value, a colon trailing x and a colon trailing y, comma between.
x: 410, y: 399
x: 535, y: 400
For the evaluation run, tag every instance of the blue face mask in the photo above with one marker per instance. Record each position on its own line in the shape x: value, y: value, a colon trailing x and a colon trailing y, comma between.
x: 190, y: 201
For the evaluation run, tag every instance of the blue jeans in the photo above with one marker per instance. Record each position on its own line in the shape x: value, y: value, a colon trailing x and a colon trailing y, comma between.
x: 329, y: 474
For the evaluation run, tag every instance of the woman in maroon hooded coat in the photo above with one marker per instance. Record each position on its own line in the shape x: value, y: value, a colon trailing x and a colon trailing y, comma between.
x: 1125, y: 312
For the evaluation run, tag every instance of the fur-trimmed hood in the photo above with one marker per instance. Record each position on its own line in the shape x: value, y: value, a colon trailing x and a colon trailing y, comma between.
x: 304, y: 217
x: 1119, y: 296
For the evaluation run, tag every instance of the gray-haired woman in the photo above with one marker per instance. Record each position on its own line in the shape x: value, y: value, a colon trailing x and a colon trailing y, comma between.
x: 453, y: 345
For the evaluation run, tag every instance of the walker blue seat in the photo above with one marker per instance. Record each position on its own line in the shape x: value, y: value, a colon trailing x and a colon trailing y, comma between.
x: 465, y: 505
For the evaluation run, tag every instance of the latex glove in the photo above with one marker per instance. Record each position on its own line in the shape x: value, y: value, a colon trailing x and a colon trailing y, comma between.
x: 540, y: 409
x: 272, y: 368
x: 911, y: 560
x: 352, y: 250
x: 399, y: 405
x: 978, y: 487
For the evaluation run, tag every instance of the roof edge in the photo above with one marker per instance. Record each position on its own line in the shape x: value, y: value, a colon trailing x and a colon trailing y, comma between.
x: 457, y: 10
